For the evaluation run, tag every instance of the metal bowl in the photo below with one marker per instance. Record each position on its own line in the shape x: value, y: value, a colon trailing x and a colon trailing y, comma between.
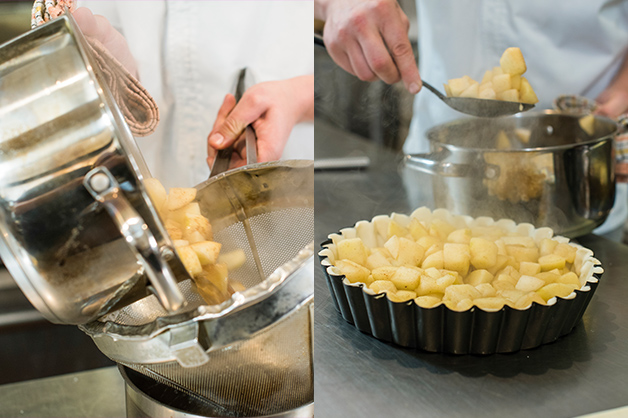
x: 548, y: 172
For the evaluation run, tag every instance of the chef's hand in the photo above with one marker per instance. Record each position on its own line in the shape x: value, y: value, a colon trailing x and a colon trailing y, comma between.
x: 272, y: 108
x: 369, y: 39
x: 613, y: 102
x: 99, y: 28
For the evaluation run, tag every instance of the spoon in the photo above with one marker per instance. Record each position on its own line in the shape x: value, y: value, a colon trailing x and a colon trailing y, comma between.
x: 484, y: 108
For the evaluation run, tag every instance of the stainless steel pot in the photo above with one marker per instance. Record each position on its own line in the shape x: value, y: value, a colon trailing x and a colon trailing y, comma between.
x: 538, y: 167
x: 79, y: 233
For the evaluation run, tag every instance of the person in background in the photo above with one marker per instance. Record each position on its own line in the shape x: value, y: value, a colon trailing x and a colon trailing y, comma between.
x: 188, y: 55
x: 577, y: 47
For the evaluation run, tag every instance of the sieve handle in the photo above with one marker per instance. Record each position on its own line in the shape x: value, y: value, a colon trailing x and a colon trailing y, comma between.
x: 104, y: 188
x: 223, y: 157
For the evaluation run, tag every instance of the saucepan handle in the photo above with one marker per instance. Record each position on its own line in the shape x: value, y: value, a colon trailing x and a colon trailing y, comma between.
x: 104, y: 188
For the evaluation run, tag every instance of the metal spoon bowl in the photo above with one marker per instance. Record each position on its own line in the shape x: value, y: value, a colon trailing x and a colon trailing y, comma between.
x: 480, y: 107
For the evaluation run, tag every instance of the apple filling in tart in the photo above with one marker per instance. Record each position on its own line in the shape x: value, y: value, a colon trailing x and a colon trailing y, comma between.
x: 192, y: 236
x: 437, y: 258
x: 504, y: 82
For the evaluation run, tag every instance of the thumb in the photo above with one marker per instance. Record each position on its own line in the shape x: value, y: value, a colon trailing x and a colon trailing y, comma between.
x: 246, y: 111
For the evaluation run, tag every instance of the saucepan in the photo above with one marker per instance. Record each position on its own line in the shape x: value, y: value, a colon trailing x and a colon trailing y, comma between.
x: 78, y: 231
x: 544, y: 168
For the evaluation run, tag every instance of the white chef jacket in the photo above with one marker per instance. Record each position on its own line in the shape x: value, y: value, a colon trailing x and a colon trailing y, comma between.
x: 570, y: 47
x: 189, y: 55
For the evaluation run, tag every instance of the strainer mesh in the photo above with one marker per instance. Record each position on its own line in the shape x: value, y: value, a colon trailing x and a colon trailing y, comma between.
x: 267, y: 374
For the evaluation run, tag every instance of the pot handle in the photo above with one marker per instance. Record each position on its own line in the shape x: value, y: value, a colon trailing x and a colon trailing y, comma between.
x: 104, y: 188
x: 433, y: 164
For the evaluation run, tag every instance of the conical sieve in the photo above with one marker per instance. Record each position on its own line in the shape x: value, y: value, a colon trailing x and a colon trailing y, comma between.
x: 250, y: 355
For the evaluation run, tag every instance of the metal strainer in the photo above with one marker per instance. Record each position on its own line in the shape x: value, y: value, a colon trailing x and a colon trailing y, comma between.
x: 250, y: 355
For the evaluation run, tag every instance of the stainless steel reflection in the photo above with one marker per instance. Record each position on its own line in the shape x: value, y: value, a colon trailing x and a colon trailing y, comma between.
x: 562, y: 178
x: 58, y: 122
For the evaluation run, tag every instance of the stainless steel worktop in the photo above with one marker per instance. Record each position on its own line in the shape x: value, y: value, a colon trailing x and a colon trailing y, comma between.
x: 94, y: 393
x: 358, y: 375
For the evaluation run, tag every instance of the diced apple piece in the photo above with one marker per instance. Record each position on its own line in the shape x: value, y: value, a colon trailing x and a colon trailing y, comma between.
x: 198, y: 223
x: 511, y: 295
x: 487, y: 94
x: 406, y: 278
x: 394, y: 229
x: 384, y: 273
x: 353, y: 272
x: 555, y: 289
x: 428, y: 241
x: 488, y: 76
x: 497, y: 71
x: 458, y: 85
x: 529, y: 284
x: 217, y: 275
x: 512, y: 61
x: 502, y: 261
x: 178, y: 197
x: 486, y: 290
x: 477, y: 277
x: 521, y: 241
x: 502, y: 285
x: 548, y: 277
x: 547, y: 246
x: 180, y: 243
x: 515, y: 81
x: 352, y: 249
x: 440, y: 229
x: 526, y: 300
x: 587, y: 123
x: 206, y: 251
x: 568, y: 252
x: 510, y: 95
x: 472, y: 91
x: 180, y: 214
x: 523, y: 253
x: 233, y: 259
x: 434, y: 260
x: 502, y: 141
x: 551, y: 262
x: 377, y: 259
x: 190, y: 260
x: 427, y: 301
x: 483, y: 253
x: 402, y: 296
x: 490, y: 304
x: 447, y: 90
x: 381, y: 286
x: 527, y: 95
x: 456, y: 257
x: 156, y: 192
x: 417, y: 230
x: 570, y: 278
x: 501, y: 83
x: 429, y: 285
x: 523, y: 134
x: 458, y: 292
x: 173, y: 229
x: 460, y: 236
x: 529, y: 269
x: 405, y: 251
